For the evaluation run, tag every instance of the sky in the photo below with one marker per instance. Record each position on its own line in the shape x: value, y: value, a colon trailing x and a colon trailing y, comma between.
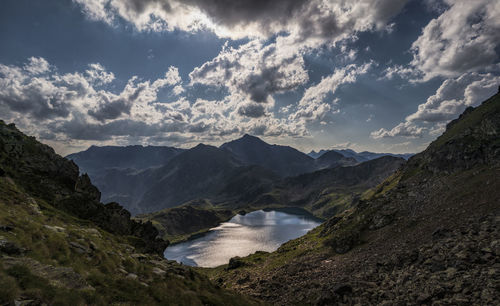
x: 375, y: 75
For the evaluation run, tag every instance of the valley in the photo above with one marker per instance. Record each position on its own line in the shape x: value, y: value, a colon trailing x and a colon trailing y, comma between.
x: 246, y: 153
x: 414, y: 231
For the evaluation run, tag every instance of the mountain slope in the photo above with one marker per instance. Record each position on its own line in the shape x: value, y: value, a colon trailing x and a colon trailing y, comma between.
x: 95, y: 159
x: 359, y: 157
x: 202, y: 172
x: 283, y: 160
x: 117, y: 171
x: 323, y: 193
x: 60, y: 246
x: 427, y: 235
x: 333, y: 159
x: 327, y: 192
x: 196, y: 173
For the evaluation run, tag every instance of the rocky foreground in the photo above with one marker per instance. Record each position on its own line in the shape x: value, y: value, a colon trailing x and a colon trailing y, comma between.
x: 60, y: 246
x: 428, y: 235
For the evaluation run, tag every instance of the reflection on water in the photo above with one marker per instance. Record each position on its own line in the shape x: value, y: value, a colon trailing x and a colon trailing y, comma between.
x: 241, y: 236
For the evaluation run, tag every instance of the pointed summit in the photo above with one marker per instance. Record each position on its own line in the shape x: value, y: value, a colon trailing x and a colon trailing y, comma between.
x: 248, y: 138
x: 283, y: 160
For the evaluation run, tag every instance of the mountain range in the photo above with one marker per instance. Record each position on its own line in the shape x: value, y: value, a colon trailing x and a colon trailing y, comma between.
x: 148, y: 179
x: 427, y: 235
x: 359, y: 157
x: 59, y: 245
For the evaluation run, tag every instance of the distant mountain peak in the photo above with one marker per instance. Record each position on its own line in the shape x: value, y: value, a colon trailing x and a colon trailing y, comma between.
x: 248, y: 137
x: 201, y: 145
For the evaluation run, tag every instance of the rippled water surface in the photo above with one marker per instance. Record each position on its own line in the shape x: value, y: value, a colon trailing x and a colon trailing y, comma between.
x: 242, y: 235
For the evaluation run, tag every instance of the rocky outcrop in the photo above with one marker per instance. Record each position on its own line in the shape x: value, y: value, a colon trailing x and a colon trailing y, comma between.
x: 187, y: 219
x: 84, y: 186
x: 46, y: 175
x: 460, y: 267
x: 470, y: 140
x: 428, y: 235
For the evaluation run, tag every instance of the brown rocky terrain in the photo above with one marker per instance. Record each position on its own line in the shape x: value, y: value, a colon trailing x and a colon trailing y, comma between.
x: 427, y: 235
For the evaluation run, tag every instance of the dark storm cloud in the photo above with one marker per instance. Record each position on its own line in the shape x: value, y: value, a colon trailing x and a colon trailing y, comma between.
x: 240, y: 12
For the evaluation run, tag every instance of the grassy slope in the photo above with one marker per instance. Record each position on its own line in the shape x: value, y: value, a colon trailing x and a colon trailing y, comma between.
x: 49, y: 256
x: 187, y: 221
x: 321, y: 200
x: 103, y: 267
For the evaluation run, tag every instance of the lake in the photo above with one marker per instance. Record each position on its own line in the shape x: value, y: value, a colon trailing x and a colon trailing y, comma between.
x: 241, y: 236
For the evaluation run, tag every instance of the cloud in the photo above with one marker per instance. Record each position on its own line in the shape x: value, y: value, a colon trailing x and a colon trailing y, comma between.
x: 253, y: 110
x: 36, y: 96
x: 75, y: 108
x: 454, y: 95
x: 253, y: 70
x: 37, y: 65
x: 404, y: 129
x: 464, y: 38
x: 313, y: 105
x: 280, y: 33
x: 449, y: 101
x: 97, y: 74
x: 236, y: 19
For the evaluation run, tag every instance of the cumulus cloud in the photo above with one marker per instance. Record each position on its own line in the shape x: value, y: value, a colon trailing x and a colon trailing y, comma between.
x: 313, y: 105
x: 404, y: 129
x: 241, y: 18
x: 78, y: 107
x: 98, y: 74
x: 454, y: 95
x: 450, y: 100
x: 254, y: 70
x: 38, y: 96
x: 47, y: 96
x: 37, y: 65
x: 253, y: 110
x: 464, y: 38
x: 281, y: 32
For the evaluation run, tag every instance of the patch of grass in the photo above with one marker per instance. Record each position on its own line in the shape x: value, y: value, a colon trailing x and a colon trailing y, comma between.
x: 47, y: 237
x: 472, y: 119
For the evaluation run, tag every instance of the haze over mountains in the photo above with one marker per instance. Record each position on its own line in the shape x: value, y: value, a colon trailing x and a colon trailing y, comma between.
x: 148, y: 179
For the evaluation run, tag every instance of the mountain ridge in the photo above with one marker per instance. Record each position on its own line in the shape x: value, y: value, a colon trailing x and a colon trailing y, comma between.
x: 358, y: 156
x: 142, y: 186
x: 60, y: 246
x: 429, y: 234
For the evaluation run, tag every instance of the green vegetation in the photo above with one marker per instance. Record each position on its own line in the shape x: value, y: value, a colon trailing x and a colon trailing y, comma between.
x: 470, y: 120
x: 60, y: 246
x: 102, y: 269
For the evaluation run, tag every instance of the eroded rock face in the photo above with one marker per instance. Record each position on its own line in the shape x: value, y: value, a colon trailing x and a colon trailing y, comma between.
x: 83, y: 185
x: 470, y: 140
x: 46, y: 175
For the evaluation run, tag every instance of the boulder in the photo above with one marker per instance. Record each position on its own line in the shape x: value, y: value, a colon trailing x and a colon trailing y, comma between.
x: 235, y: 262
x: 10, y: 248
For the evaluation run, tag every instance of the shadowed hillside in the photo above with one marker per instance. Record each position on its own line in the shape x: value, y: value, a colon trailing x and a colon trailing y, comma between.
x: 60, y: 246
x: 428, y: 234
